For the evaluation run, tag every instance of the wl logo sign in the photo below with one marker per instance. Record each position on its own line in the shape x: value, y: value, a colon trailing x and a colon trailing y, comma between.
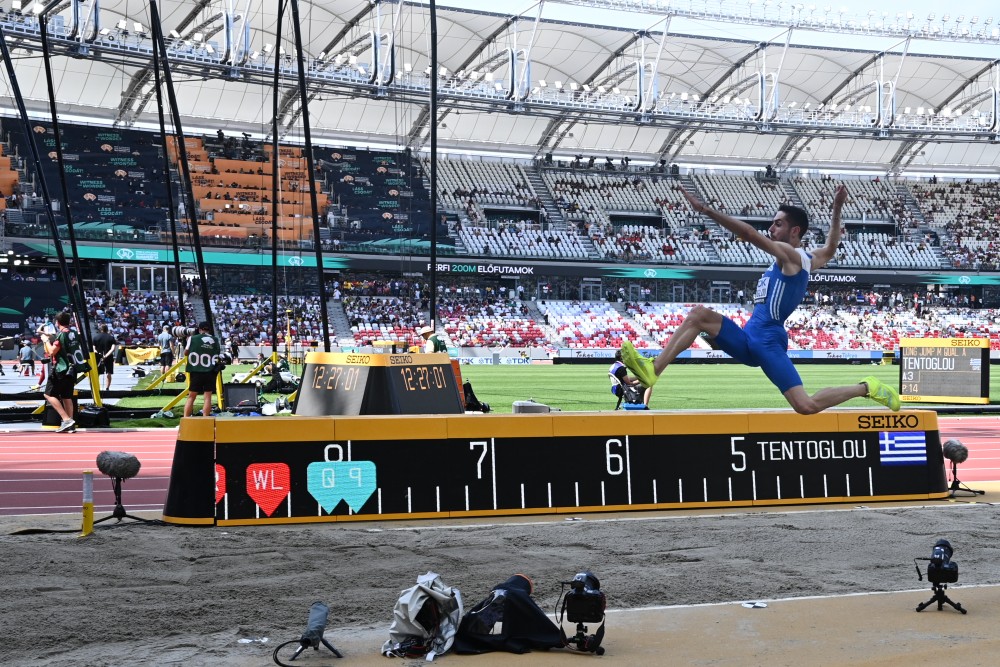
x: 329, y: 482
x: 268, y: 484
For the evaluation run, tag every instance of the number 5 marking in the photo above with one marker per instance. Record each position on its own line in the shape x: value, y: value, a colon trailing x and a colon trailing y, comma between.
x: 479, y: 463
x: 737, y: 453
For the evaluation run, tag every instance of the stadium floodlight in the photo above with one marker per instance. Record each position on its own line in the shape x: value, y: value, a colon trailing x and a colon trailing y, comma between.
x: 122, y: 25
x: 15, y: 6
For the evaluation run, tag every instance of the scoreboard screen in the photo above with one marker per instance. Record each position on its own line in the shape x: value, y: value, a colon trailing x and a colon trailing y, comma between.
x: 944, y: 370
x: 377, y: 384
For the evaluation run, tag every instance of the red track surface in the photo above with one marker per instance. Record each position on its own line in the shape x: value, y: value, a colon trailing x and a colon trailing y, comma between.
x: 40, y: 471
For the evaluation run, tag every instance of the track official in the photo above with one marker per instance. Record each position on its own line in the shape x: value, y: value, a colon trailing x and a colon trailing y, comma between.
x: 202, y: 351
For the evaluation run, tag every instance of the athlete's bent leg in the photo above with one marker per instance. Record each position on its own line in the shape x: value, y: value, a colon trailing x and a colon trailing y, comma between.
x: 700, y: 319
x: 805, y: 404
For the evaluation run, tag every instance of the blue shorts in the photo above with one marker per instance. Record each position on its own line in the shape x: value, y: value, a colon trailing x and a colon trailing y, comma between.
x: 766, y: 347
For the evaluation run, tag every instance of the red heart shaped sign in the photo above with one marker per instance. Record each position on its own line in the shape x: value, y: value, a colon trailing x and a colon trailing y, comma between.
x: 220, y: 483
x: 268, y: 484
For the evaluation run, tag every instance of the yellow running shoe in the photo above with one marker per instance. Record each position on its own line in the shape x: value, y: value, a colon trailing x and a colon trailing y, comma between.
x: 882, y: 393
x: 640, y: 366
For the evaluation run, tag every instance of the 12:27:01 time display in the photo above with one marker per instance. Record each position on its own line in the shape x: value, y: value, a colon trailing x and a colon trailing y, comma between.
x: 334, y: 378
x: 421, y: 378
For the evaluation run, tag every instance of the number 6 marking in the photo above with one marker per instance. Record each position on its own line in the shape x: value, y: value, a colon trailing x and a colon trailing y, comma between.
x: 620, y: 465
x: 479, y: 463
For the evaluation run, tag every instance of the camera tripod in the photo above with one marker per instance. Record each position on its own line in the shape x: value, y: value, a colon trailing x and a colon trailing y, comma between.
x: 941, y: 598
x: 584, y: 642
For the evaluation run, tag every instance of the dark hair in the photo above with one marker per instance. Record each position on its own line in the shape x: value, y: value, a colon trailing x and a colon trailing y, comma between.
x: 797, y: 216
x: 103, y: 328
x: 204, y: 324
x: 62, y: 319
x: 618, y: 355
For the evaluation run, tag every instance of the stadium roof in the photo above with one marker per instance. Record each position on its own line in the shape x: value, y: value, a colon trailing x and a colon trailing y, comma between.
x: 788, y: 85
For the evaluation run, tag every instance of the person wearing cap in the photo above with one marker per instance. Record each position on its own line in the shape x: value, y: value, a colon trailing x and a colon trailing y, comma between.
x: 27, y: 355
x: 202, y: 352
x: 166, y: 341
x: 431, y: 341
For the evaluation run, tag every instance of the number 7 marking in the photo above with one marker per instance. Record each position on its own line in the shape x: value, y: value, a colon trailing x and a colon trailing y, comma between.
x: 479, y: 463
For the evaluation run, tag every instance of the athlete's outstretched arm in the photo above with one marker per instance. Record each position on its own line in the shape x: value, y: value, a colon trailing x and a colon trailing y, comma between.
x: 745, y: 231
x: 823, y: 255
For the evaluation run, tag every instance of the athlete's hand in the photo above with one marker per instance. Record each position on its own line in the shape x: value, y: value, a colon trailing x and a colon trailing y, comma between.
x: 840, y: 195
x: 697, y: 204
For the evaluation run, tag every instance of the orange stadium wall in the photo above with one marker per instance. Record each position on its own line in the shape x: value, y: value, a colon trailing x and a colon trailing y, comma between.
x: 260, y: 470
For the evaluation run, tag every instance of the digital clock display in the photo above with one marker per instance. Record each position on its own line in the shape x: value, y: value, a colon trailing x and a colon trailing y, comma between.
x: 377, y: 384
x: 944, y: 370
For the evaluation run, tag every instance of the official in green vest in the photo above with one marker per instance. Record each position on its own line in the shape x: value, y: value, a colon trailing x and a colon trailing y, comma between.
x: 431, y: 341
x: 202, y: 352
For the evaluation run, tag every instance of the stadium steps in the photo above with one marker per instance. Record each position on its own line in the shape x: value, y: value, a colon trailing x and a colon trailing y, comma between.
x: 792, y: 194
x: 339, y: 324
x: 911, y: 203
x: 198, y: 308
x: 556, y: 218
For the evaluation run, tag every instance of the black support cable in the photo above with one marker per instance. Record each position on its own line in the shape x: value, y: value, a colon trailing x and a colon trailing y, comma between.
x: 76, y: 287
x: 432, y: 172
x: 170, y: 189
x: 304, y: 101
x: 182, y: 160
x: 36, y: 160
x: 275, y: 180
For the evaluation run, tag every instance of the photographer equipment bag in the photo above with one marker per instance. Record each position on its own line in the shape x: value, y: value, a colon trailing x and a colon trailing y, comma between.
x: 424, y: 620
x: 92, y: 416
x: 472, y: 403
x: 524, y: 626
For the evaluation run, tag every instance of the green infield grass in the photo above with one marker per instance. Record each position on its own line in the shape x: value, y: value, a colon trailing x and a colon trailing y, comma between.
x: 681, y: 387
x: 586, y: 387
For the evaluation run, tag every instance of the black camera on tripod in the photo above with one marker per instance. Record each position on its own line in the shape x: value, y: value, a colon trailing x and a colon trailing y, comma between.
x: 585, y: 602
x: 940, y: 569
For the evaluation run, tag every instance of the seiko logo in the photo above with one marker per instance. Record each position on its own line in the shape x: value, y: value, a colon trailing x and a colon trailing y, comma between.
x: 965, y: 342
x: 400, y: 359
x: 358, y: 359
x: 888, y: 421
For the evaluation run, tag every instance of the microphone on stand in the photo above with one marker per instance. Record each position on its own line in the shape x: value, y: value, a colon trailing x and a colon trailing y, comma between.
x: 313, y: 636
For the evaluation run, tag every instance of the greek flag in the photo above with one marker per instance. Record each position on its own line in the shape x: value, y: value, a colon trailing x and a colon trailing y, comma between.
x: 901, y: 448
